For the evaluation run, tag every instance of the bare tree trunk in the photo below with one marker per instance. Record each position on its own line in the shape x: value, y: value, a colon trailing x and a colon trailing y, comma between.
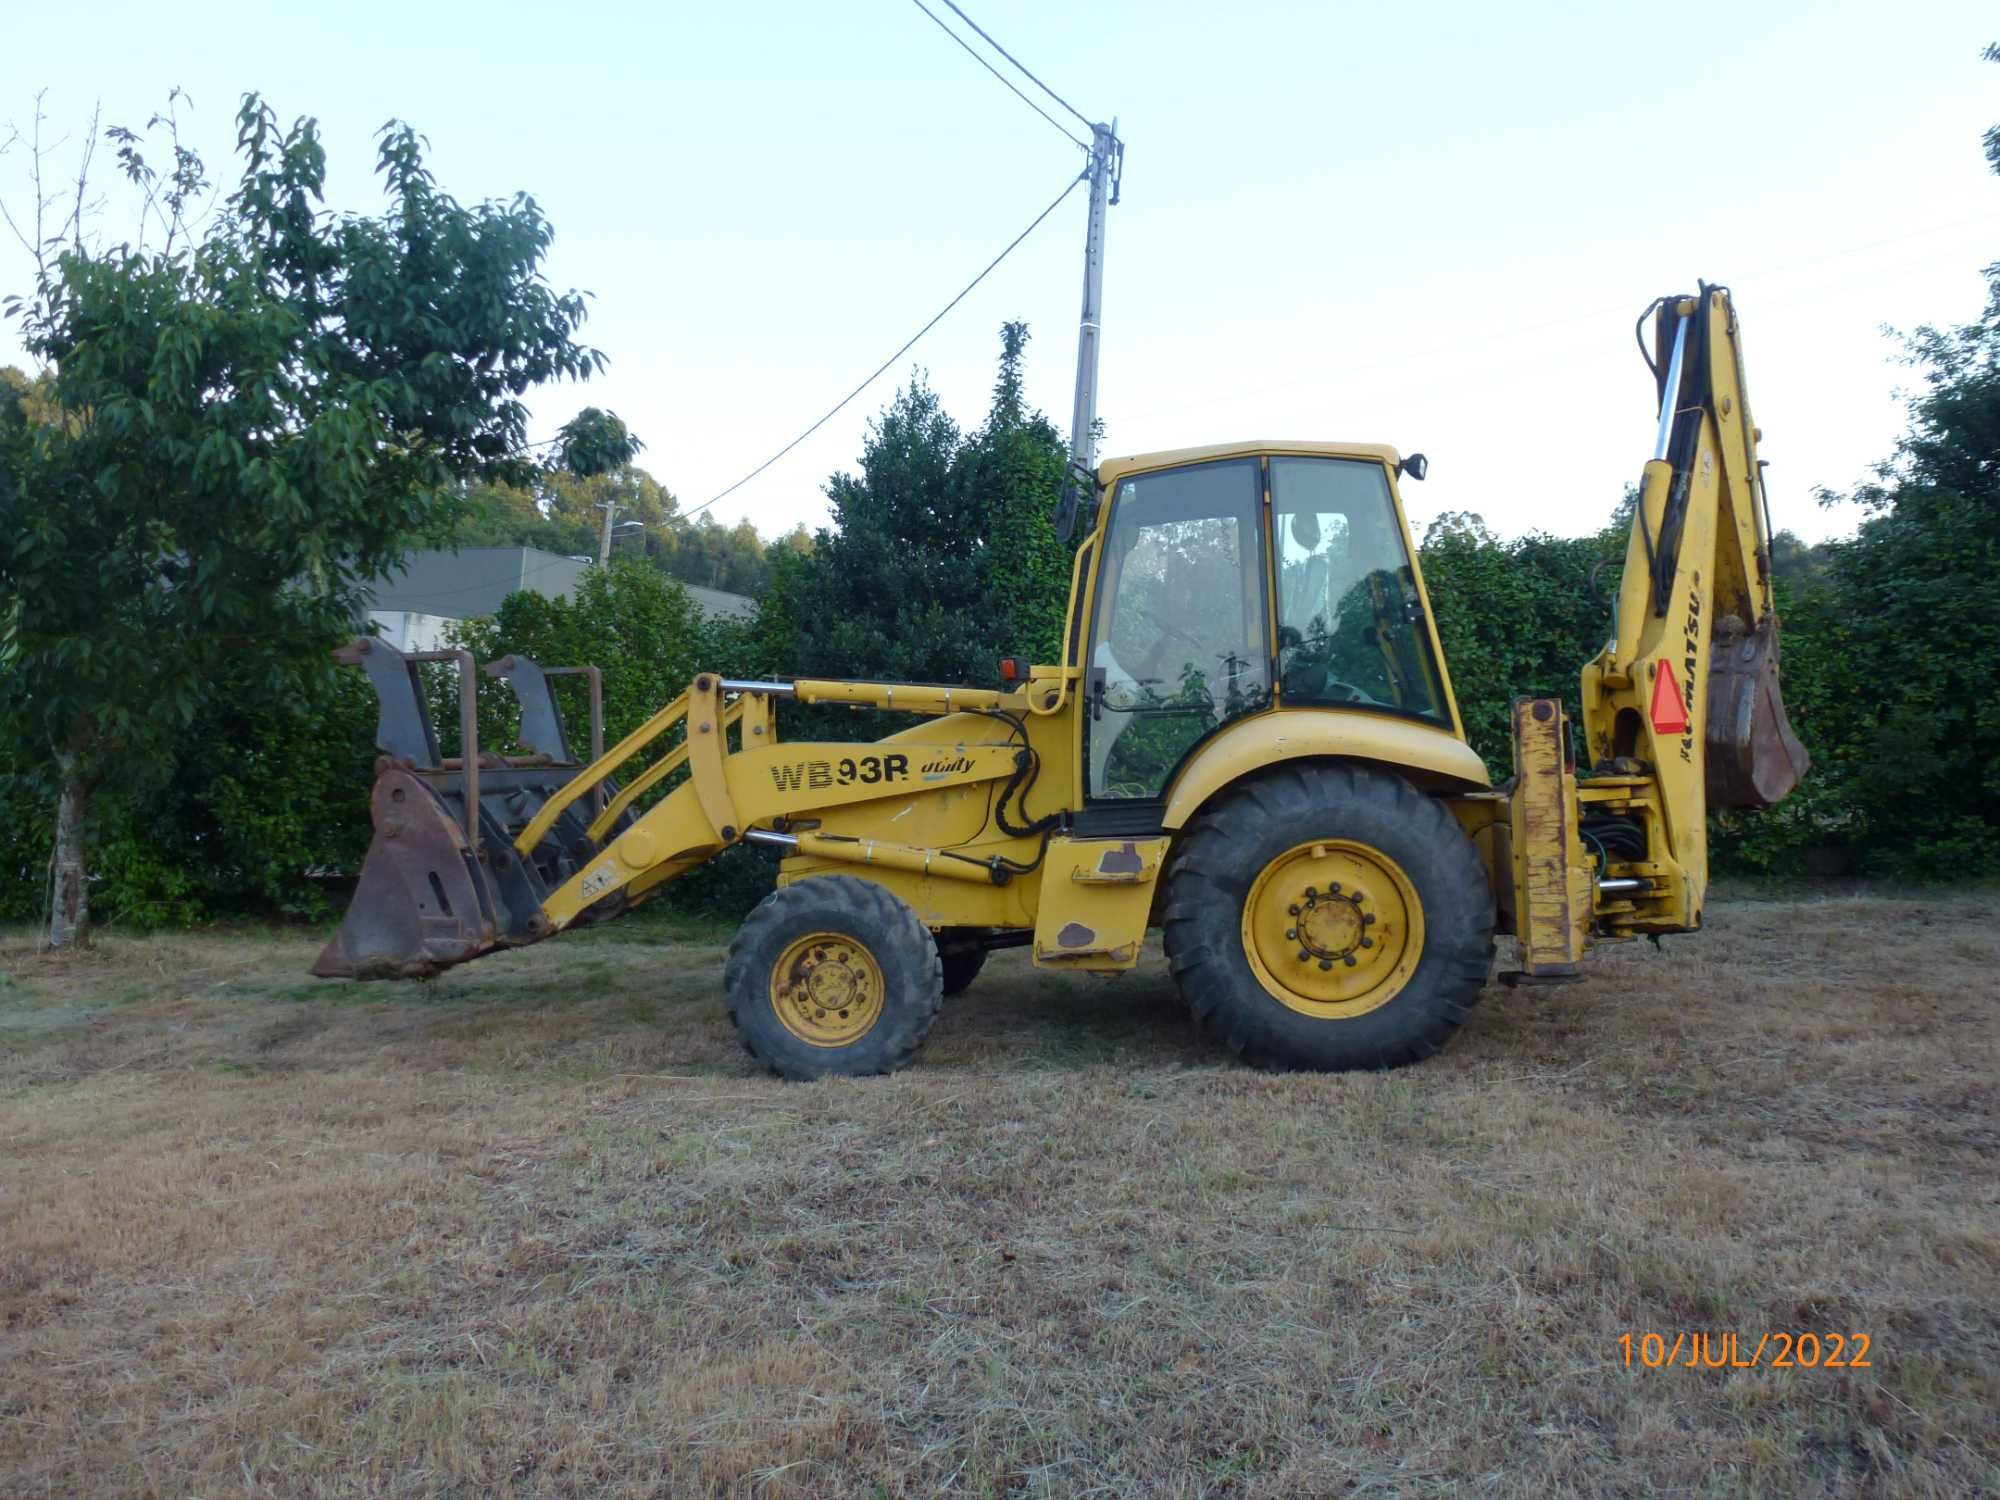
x: 69, y: 913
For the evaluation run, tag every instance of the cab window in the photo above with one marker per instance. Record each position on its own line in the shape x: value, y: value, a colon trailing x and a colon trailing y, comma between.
x: 1180, y: 645
x: 1351, y: 626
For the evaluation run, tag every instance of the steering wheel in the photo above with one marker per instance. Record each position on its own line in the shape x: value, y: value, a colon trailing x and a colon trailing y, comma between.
x: 1316, y: 657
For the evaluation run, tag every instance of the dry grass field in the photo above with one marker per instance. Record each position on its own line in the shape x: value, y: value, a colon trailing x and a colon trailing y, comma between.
x: 539, y: 1229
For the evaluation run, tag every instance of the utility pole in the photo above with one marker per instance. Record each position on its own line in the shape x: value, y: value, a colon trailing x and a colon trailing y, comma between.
x: 1107, y: 156
x: 610, y: 509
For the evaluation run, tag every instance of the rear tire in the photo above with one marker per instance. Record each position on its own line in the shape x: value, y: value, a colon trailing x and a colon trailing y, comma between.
x: 833, y: 976
x: 962, y: 963
x: 1330, y: 917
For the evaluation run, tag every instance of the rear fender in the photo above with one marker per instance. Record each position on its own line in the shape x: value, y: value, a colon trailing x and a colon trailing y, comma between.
x: 1434, y: 759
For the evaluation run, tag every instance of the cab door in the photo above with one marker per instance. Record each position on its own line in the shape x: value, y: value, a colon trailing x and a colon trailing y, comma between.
x: 1180, y: 638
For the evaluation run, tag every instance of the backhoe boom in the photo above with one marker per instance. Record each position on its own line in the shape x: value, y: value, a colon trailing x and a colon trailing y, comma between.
x: 1681, y: 711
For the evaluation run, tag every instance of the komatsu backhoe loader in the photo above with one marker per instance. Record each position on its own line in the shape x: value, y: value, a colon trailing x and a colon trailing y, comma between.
x: 1251, y: 743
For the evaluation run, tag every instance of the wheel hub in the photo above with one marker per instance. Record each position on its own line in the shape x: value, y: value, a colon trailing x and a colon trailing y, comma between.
x: 827, y: 989
x: 1333, y: 928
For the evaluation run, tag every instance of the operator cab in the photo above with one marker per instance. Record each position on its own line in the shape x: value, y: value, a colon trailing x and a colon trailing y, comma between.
x: 1233, y: 581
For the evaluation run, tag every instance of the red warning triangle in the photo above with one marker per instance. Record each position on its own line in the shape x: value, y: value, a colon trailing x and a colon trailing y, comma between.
x: 1669, y: 712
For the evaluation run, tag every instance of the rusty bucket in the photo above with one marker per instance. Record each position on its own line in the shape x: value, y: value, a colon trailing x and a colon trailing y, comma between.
x: 1754, y: 756
x: 422, y: 903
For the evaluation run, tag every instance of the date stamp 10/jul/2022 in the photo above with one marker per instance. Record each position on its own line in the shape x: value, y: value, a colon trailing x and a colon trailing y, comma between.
x: 1690, y: 1350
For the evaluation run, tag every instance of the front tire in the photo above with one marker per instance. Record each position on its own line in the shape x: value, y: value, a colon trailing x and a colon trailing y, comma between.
x: 833, y: 976
x: 1330, y: 917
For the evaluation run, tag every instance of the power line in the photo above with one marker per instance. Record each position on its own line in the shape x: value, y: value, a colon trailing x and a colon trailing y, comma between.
x: 1006, y: 82
x: 909, y: 345
x: 1087, y: 124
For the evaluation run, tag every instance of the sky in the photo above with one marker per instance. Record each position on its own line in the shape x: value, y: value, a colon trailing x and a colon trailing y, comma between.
x: 1430, y: 225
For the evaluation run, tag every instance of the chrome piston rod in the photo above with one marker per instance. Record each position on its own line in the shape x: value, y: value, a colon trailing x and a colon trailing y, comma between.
x: 761, y: 689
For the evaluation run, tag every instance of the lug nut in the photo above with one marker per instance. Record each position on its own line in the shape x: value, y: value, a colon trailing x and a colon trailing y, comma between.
x: 1357, y: 898
x: 1292, y: 933
x: 1312, y: 891
x: 1368, y: 919
x: 1303, y: 955
x: 1350, y: 960
x: 1326, y: 963
x: 1368, y: 942
x: 1335, y: 888
x: 1292, y: 910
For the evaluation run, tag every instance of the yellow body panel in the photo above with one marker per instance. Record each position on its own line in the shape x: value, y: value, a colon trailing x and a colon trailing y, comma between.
x: 1112, y: 470
x: 957, y: 817
x: 1095, y: 896
x: 1429, y: 756
x: 937, y: 900
x: 1548, y: 889
x: 766, y: 782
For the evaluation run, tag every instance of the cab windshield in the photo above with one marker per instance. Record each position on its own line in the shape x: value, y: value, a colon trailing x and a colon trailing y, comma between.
x: 1351, y: 626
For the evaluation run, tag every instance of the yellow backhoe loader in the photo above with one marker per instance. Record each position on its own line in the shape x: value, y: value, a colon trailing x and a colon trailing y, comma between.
x: 1251, y: 743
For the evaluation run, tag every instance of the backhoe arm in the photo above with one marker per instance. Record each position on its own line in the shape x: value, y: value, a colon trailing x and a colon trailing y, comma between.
x: 1681, y: 710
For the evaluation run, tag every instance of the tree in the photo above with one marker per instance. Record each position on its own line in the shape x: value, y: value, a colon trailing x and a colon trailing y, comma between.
x: 797, y: 541
x: 250, y: 422
x: 1468, y: 524
x: 593, y: 502
x: 1514, y: 617
x: 498, y: 514
x: 1911, y: 735
x: 593, y: 445
x: 1890, y: 636
x: 942, y: 557
x: 715, y: 556
x: 1009, y: 477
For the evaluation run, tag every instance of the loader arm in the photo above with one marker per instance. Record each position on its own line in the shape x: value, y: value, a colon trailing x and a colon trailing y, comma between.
x: 1680, y: 712
x: 479, y: 852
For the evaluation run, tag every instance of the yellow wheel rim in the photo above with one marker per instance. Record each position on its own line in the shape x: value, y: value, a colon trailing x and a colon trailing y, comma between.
x: 1333, y: 928
x: 827, y: 990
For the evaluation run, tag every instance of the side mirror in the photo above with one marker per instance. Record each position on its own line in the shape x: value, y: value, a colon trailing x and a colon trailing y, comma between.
x: 1065, y: 522
x: 1416, y: 466
x: 1075, y: 482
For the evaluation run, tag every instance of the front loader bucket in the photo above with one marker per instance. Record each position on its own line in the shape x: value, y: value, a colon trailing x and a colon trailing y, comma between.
x: 443, y: 881
x: 1754, y: 757
x: 423, y: 902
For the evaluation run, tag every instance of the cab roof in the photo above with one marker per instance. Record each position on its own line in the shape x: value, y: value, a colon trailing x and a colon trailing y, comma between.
x: 1114, y: 469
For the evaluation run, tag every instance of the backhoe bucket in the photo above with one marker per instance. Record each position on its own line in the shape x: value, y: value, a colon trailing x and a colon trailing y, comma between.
x: 1754, y: 757
x: 442, y: 881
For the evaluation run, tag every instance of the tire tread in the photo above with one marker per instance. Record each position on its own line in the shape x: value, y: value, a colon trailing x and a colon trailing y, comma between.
x: 1202, y: 914
x: 872, y: 913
